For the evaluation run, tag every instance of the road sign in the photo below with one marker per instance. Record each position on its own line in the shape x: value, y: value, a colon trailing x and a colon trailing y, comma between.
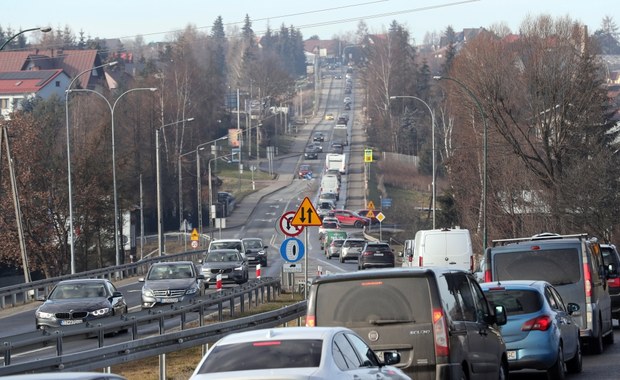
x: 371, y: 205
x: 285, y: 224
x: 194, y: 236
x: 370, y: 214
x: 194, y: 243
x: 292, y: 250
x: 386, y: 202
x: 367, y: 155
x: 292, y: 268
x: 380, y: 217
x: 306, y: 215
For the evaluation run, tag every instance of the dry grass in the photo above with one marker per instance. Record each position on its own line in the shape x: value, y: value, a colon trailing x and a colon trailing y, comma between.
x: 181, y: 364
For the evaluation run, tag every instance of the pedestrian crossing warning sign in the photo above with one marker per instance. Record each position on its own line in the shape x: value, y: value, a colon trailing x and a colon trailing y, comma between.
x: 370, y: 214
x: 306, y: 215
x: 194, y: 236
x: 371, y: 205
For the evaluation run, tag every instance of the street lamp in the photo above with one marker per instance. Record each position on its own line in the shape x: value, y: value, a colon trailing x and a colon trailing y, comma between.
x: 160, y: 231
x: 69, y: 185
x: 211, y: 214
x: 434, y: 191
x: 484, y: 155
x: 199, y: 182
x: 44, y: 29
x: 112, y: 107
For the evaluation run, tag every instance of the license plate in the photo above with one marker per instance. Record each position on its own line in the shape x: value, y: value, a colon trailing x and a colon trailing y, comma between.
x: 69, y: 322
x: 512, y: 355
x: 169, y: 300
x: 224, y: 276
x: 378, y: 254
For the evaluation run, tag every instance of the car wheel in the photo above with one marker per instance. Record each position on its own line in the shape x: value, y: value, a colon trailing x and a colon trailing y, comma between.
x: 596, y: 344
x: 503, y: 371
x: 557, y: 370
x: 358, y: 224
x: 575, y: 364
x: 609, y: 338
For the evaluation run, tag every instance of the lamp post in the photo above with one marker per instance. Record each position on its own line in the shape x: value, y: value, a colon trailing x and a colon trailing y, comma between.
x: 433, y: 186
x: 112, y: 107
x: 211, y: 214
x: 484, y: 155
x: 44, y: 29
x: 198, y: 178
x: 160, y: 231
x: 69, y: 185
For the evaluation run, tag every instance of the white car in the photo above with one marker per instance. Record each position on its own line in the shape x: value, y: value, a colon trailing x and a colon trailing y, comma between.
x: 296, y: 353
x: 328, y: 223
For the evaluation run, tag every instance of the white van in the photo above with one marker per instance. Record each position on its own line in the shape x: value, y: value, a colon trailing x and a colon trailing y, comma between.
x: 330, y: 184
x: 442, y: 247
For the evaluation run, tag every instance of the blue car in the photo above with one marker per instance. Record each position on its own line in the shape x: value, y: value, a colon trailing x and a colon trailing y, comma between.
x: 540, y: 333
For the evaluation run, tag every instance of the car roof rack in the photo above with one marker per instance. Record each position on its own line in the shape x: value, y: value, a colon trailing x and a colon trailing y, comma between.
x: 541, y: 236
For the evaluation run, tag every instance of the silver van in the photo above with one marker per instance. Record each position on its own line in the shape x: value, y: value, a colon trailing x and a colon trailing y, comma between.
x: 573, y: 264
x: 437, y: 319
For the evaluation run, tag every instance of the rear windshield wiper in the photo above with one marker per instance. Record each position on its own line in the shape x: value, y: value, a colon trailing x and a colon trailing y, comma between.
x: 389, y: 321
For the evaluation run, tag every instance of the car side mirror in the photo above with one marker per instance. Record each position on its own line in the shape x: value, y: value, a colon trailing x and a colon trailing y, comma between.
x: 572, y: 307
x: 200, y: 277
x: 117, y: 294
x: 391, y: 357
x: 500, y: 315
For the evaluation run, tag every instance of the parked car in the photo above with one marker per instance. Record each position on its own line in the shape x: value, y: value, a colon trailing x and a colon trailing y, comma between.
x: 438, y: 319
x: 376, y: 254
x: 296, y: 353
x: 73, y: 302
x: 255, y: 251
x: 170, y: 282
x: 304, y: 171
x: 351, y: 218
x: 611, y: 258
x: 540, y: 333
x: 351, y: 249
x: 573, y: 264
x: 225, y: 262
x: 318, y: 136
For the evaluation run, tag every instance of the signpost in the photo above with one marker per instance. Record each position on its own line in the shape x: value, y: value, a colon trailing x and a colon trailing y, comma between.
x: 285, y: 225
x: 306, y: 216
x: 194, y: 238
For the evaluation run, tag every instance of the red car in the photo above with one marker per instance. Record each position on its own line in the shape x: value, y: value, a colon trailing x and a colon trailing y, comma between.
x: 350, y: 218
x: 304, y: 170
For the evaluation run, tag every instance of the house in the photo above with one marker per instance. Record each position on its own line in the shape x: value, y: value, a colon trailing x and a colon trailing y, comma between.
x: 18, y: 86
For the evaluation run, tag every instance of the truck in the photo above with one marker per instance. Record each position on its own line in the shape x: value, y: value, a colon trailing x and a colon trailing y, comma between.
x: 340, y: 134
x: 335, y: 161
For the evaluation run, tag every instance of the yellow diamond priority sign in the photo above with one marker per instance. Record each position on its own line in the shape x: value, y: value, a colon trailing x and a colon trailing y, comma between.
x: 306, y: 215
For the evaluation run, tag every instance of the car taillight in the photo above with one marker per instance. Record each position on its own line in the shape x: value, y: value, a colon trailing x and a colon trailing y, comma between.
x: 587, y: 281
x: 441, y: 334
x: 614, y: 282
x: 310, y: 321
x: 487, y: 275
x: 367, y: 253
x: 421, y: 261
x: 541, y: 323
x: 410, y: 258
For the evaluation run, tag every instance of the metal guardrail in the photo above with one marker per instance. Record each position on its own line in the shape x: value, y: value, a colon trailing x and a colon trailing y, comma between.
x: 104, y: 356
x: 21, y: 294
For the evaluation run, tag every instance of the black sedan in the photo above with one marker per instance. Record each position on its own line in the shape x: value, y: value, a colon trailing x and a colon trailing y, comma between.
x: 226, y: 263
x: 72, y: 302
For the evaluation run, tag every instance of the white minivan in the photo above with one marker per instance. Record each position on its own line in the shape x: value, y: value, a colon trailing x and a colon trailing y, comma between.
x: 441, y: 247
x: 330, y: 184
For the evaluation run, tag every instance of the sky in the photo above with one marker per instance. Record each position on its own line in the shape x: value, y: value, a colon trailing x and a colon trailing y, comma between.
x: 157, y: 20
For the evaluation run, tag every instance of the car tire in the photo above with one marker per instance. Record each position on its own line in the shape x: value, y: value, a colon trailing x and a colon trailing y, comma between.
x: 556, y: 372
x: 575, y: 365
x: 609, y: 338
x: 596, y: 344
x: 503, y: 371
x: 358, y: 224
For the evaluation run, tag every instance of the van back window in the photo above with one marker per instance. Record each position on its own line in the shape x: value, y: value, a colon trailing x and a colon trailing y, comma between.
x: 373, y: 302
x: 556, y: 266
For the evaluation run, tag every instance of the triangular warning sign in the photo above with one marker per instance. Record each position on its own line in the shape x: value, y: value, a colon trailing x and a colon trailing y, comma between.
x: 194, y: 236
x: 371, y: 205
x: 306, y: 215
x: 370, y: 214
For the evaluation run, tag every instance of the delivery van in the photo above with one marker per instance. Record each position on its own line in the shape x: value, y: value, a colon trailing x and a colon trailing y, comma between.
x: 441, y: 247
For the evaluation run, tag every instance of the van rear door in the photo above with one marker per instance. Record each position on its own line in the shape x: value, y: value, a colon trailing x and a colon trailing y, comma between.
x: 444, y: 248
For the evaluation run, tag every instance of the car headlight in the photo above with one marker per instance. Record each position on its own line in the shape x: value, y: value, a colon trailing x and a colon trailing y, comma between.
x: 44, y: 315
x: 147, y: 292
x: 192, y: 290
x: 239, y: 268
x: 261, y: 252
x: 101, y: 312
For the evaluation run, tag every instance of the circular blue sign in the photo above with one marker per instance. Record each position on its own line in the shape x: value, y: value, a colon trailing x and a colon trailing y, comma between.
x: 292, y: 250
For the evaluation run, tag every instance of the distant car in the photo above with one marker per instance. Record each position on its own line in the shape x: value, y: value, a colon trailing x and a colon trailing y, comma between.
x: 296, y: 353
x: 73, y: 302
x: 228, y: 244
x: 338, y: 76
x: 351, y: 218
x: 225, y: 262
x: 611, y: 258
x: 255, y: 251
x: 328, y: 223
x: 329, y: 116
x: 351, y: 249
x: 328, y: 197
x: 323, y: 208
x: 170, y: 282
x: 540, y: 333
x: 317, y: 145
x: 318, y: 136
x: 336, y: 147
x: 334, y: 248
x: 347, y: 100
x: 364, y: 212
x: 347, y: 106
x: 347, y: 90
x: 311, y: 153
x: 376, y: 255
x: 304, y: 171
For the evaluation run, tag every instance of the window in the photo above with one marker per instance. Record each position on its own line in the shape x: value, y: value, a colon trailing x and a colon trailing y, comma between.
x: 460, y: 288
x: 368, y: 356
x: 349, y: 359
x: 556, y: 266
x: 57, y: 83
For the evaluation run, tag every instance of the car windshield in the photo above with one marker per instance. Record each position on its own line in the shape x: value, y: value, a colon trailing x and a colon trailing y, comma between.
x: 330, y: 225
x: 169, y: 272
x: 390, y: 300
x: 253, y: 244
x: 516, y: 301
x: 78, y: 291
x: 222, y: 256
x: 556, y: 266
x: 355, y: 243
x: 250, y: 356
x: 226, y: 245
